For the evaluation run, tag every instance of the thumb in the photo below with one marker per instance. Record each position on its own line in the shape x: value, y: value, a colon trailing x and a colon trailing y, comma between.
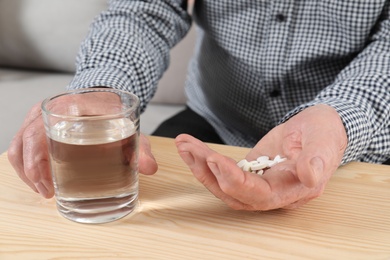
x: 310, y: 173
x: 324, y: 141
x: 147, y: 162
x: 311, y: 161
x: 319, y: 158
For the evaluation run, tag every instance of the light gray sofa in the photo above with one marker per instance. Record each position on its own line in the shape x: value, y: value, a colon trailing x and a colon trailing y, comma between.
x: 39, y: 40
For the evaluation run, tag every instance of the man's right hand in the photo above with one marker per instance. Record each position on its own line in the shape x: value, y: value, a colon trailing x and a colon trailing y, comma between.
x: 28, y: 154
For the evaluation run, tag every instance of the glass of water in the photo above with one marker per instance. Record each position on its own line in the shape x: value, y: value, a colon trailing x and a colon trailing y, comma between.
x: 93, y: 137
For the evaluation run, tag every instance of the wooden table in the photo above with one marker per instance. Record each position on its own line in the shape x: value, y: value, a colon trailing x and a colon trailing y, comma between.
x: 179, y: 219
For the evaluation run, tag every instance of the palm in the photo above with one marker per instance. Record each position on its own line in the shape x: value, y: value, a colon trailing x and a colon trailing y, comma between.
x: 313, y: 142
x: 315, y: 132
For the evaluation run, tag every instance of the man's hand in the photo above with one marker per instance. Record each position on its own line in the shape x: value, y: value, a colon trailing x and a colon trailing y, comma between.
x: 313, y: 141
x: 28, y: 154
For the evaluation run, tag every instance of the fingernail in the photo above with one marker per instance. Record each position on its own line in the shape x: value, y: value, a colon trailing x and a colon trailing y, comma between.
x: 42, y: 189
x: 317, y: 165
x: 214, y: 168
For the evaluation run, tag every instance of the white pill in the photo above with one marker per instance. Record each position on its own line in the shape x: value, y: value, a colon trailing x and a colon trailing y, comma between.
x: 255, y: 165
x: 262, y: 159
x: 246, y: 167
x: 272, y: 163
x: 280, y: 159
x: 242, y: 163
x: 260, y: 172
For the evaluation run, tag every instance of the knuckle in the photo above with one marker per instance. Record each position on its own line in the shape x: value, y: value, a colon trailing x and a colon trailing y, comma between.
x: 318, y: 193
x: 30, y: 133
x: 35, y: 110
x: 319, y: 190
x: 12, y: 154
x: 227, y: 188
x: 237, y: 206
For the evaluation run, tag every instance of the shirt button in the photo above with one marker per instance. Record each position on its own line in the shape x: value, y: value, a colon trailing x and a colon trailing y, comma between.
x: 280, y: 18
x: 275, y: 93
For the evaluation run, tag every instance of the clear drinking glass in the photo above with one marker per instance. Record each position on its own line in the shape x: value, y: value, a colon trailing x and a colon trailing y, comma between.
x: 93, y: 137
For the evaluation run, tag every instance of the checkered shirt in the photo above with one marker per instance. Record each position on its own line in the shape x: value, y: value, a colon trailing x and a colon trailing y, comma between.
x: 256, y: 62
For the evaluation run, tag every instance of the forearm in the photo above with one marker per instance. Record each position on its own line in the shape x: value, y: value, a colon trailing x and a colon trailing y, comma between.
x: 128, y: 46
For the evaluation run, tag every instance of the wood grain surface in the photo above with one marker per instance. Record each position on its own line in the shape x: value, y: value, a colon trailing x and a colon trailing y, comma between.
x: 179, y: 219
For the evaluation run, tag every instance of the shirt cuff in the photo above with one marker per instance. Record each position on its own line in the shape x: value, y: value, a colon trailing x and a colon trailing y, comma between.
x: 104, y: 77
x: 107, y: 77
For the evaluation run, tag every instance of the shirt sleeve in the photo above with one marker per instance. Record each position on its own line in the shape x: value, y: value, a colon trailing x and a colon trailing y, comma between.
x: 361, y: 96
x: 128, y: 46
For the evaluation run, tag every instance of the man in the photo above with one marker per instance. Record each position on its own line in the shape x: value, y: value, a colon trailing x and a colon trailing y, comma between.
x: 308, y: 80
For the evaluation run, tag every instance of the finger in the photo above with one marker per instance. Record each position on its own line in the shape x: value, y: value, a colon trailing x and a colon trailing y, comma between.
x: 15, y: 157
x: 36, y: 158
x: 15, y: 150
x: 194, y: 154
x: 147, y: 162
x: 235, y: 201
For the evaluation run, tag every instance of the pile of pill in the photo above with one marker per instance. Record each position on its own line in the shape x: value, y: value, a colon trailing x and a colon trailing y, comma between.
x: 260, y: 164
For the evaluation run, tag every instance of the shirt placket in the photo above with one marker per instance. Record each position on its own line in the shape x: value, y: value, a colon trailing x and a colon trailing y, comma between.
x: 276, y: 47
